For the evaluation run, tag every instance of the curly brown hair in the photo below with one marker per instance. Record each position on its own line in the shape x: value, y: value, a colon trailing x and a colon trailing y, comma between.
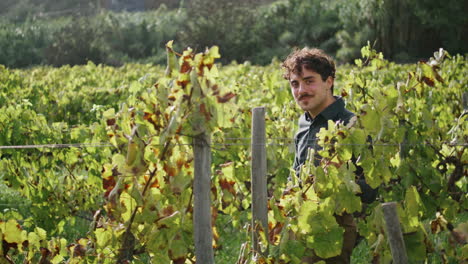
x: 312, y: 59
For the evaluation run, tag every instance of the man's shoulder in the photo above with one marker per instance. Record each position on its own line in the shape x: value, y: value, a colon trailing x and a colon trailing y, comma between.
x: 342, y: 113
x: 346, y: 115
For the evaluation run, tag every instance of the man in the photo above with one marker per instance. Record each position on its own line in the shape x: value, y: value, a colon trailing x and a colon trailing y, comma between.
x: 311, y: 75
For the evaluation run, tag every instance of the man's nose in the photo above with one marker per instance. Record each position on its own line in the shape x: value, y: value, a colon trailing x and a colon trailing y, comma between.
x: 302, y: 88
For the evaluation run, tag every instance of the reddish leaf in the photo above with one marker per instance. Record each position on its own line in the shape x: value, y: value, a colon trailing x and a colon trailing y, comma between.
x: 344, y: 93
x: 7, y: 245
x: 179, y: 260
x: 108, y: 185
x: 185, y: 67
x: 180, y: 162
x: 428, y: 81
x: 188, y: 163
x: 273, y: 234
x: 214, y: 192
x: 435, y: 227
x: 171, y: 171
x: 79, y: 251
x: 227, y: 185
x: 147, y: 116
x: 168, y: 211
x: 214, y: 215
x: 200, y: 69
x: 225, y: 98
x: 110, y: 122
x: 44, y: 254
x: 341, y: 134
x: 155, y: 184
x: 183, y: 84
x: 205, y: 112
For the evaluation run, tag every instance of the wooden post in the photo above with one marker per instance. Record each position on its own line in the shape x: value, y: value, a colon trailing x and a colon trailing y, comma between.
x: 258, y: 175
x: 394, y: 234
x: 202, y: 204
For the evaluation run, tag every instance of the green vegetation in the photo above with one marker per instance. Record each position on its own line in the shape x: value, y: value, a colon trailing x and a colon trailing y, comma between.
x: 127, y: 193
x: 74, y: 32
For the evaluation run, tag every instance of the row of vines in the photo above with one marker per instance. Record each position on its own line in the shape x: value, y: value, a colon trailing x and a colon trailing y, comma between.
x: 124, y: 194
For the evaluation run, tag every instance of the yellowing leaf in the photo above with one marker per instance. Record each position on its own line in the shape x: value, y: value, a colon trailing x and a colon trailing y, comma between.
x: 12, y: 232
x: 103, y: 236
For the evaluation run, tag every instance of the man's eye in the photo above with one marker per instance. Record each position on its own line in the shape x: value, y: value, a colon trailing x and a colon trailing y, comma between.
x: 309, y: 81
x: 294, y: 84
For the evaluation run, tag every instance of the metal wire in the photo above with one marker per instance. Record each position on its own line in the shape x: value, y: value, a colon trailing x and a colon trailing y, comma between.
x: 287, y: 142
x: 76, y: 145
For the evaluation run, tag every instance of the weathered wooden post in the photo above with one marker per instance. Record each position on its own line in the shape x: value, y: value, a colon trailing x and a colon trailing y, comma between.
x: 394, y: 234
x: 258, y: 177
x: 202, y: 204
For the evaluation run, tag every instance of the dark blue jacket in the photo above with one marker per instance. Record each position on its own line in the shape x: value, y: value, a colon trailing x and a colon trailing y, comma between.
x: 306, y: 138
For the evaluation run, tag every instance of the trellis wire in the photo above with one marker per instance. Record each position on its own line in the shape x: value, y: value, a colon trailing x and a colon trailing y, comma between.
x: 287, y: 142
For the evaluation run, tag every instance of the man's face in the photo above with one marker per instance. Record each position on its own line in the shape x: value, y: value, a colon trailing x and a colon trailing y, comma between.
x: 310, y: 92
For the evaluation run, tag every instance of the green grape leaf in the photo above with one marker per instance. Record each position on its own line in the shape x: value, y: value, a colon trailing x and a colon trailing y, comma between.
x: 415, y: 246
x: 129, y: 204
x: 293, y: 248
x: 306, y: 211
x: 464, y: 252
x: 57, y: 259
x: 34, y: 240
x: 347, y: 175
x: 103, y: 237
x: 370, y: 119
x: 172, y: 64
x: 177, y: 250
x: 347, y: 201
x: 323, y: 185
x: 135, y: 193
x: 413, y: 208
x: 328, y: 242
x: 345, y: 153
x: 315, y: 217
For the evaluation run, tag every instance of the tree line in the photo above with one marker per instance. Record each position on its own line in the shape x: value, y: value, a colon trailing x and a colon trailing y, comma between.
x: 74, y: 32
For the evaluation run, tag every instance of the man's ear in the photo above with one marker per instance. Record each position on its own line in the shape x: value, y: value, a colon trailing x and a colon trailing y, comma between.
x: 330, y: 81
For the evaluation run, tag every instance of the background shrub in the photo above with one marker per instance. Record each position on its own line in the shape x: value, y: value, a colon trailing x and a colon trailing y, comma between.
x: 74, y: 32
x: 75, y: 43
x: 21, y: 45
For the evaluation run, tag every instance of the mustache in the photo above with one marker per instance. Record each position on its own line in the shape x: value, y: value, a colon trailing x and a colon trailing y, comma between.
x: 303, y: 95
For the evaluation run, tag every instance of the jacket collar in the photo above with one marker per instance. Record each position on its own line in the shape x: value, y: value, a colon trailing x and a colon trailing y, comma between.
x: 329, y: 113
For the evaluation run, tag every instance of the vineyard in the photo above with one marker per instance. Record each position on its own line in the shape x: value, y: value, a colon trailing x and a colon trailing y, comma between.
x: 97, y: 162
